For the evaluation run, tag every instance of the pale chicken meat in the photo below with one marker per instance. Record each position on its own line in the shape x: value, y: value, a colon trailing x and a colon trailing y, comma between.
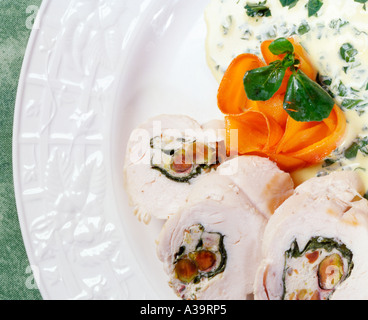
x: 265, y: 185
x: 314, y: 245
x: 165, y: 157
x: 212, y: 247
x: 214, y: 237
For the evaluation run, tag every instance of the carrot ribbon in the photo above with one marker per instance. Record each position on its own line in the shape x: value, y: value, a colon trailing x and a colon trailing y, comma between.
x: 264, y: 128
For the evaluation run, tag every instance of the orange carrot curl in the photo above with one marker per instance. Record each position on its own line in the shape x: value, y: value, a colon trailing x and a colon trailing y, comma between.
x: 264, y: 128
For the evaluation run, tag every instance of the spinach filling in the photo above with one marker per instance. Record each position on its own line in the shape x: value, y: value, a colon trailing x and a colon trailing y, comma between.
x: 201, y: 255
x: 317, y: 270
x: 181, y: 159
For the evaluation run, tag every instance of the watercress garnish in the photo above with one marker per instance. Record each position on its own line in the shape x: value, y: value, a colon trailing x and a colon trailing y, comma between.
x: 304, y: 101
x: 258, y: 9
x: 281, y: 46
x: 261, y: 84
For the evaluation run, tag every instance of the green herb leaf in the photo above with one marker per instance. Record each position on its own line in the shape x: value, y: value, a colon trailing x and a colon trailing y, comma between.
x: 289, y: 61
x: 325, y: 82
x: 262, y: 83
x: 226, y: 26
x: 328, y: 162
x: 305, y: 100
x: 289, y: 3
x: 350, y: 103
x: 303, y: 28
x: 281, y: 46
x: 258, y: 9
x: 366, y: 195
x: 364, y: 2
x: 348, y: 52
x: 359, y: 144
x: 352, y: 151
x: 338, y: 24
x: 313, y: 7
x: 342, y: 90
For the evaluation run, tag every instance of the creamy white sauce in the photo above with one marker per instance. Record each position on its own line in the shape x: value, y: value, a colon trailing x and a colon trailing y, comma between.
x: 232, y: 32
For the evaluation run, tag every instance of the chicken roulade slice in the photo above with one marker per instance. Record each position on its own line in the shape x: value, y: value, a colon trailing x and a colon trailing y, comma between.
x: 261, y: 180
x: 211, y: 248
x: 315, y: 244
x: 165, y: 156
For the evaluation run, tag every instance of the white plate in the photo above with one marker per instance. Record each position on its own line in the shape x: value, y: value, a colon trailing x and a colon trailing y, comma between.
x: 92, y: 72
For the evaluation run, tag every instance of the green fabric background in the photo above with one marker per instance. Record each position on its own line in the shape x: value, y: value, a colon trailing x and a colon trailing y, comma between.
x: 16, y: 281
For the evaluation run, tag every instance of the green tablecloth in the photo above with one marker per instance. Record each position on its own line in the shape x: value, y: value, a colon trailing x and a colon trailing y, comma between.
x: 16, y: 280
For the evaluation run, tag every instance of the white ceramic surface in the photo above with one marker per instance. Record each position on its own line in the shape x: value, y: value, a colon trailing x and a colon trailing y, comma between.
x: 92, y: 72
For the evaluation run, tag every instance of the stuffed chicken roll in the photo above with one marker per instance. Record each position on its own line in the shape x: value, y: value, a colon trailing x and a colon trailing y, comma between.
x: 261, y: 180
x: 315, y: 245
x: 164, y: 158
x: 211, y: 248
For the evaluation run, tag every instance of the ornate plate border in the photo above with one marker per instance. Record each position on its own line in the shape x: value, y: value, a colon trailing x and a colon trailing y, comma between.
x: 75, y: 243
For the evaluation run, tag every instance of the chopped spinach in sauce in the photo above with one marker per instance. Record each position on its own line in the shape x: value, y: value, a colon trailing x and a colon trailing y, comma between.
x: 257, y: 9
x: 313, y: 7
x: 333, y: 33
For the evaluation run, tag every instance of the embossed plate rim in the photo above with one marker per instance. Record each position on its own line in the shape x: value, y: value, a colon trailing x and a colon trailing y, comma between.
x: 62, y: 291
x: 132, y: 287
x: 15, y: 152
